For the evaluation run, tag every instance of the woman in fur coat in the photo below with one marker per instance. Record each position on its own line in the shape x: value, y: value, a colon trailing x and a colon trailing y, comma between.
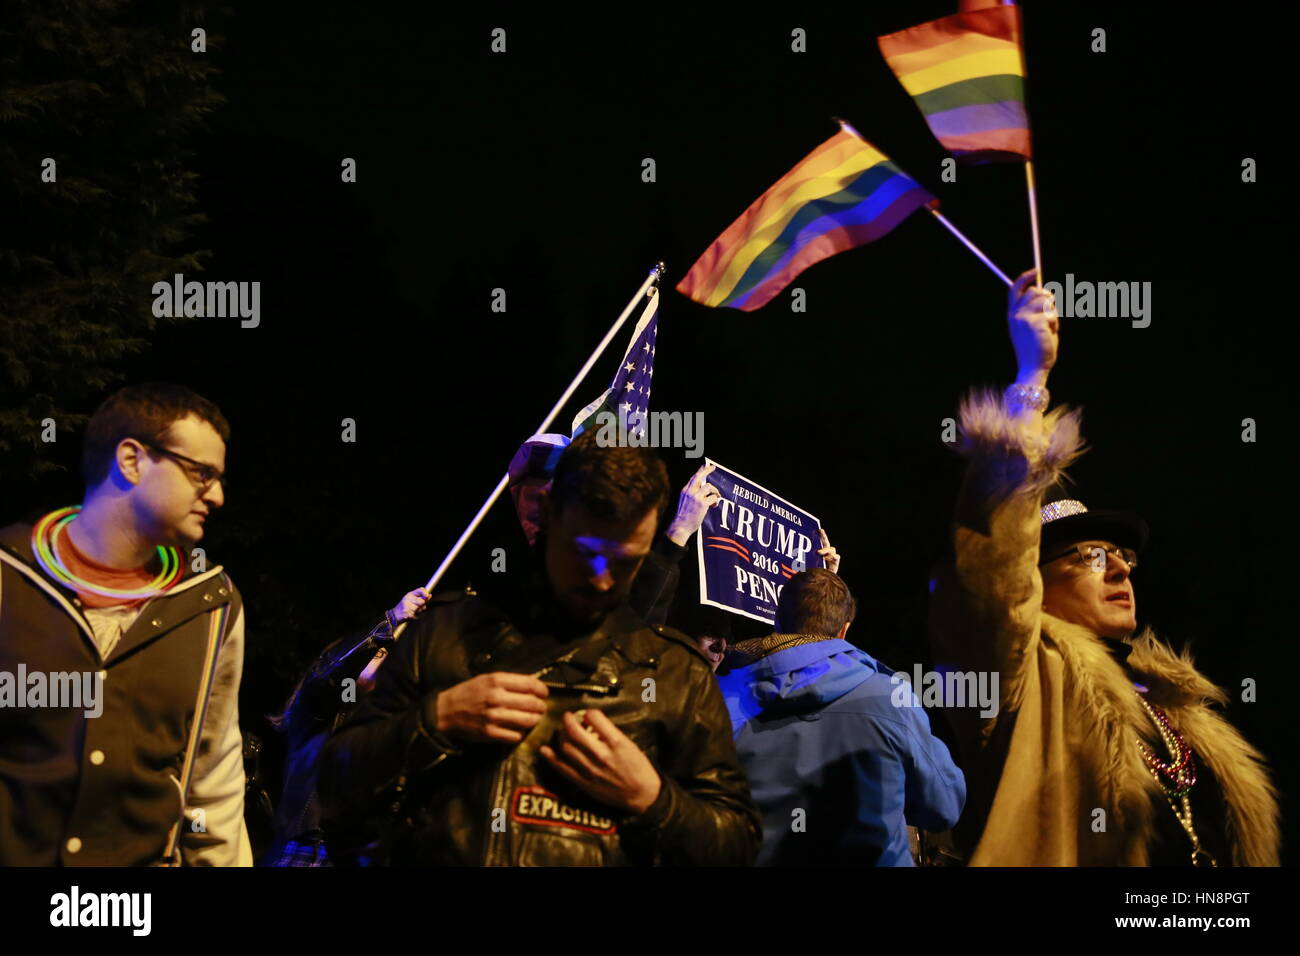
x: 1108, y: 748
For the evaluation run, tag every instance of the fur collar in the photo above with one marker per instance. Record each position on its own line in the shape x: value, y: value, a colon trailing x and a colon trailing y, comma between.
x: 1100, y: 687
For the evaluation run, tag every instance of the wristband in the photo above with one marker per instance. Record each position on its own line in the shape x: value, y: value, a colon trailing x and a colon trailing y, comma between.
x: 1033, y: 397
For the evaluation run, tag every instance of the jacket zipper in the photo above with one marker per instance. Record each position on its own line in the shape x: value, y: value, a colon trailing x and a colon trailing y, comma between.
x: 495, y: 853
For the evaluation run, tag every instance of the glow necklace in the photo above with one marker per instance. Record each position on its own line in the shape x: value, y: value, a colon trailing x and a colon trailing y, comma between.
x: 45, y: 536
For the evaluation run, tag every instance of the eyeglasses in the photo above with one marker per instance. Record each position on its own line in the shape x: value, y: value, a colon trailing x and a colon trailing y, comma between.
x: 200, y: 474
x: 1094, y: 555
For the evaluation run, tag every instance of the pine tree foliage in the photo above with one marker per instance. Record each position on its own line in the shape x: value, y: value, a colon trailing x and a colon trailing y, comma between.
x: 115, y: 95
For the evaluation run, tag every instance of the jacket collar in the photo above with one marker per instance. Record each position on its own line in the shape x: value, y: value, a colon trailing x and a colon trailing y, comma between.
x: 16, y: 551
x: 1119, y: 649
x: 532, y: 608
x: 7, y: 556
x: 1173, y: 678
x: 745, y: 653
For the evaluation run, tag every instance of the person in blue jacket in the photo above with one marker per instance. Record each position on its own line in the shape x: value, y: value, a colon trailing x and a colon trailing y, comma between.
x: 837, y: 769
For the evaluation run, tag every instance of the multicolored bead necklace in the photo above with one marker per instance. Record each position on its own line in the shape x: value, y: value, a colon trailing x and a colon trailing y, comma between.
x: 1176, y: 776
x: 45, y: 538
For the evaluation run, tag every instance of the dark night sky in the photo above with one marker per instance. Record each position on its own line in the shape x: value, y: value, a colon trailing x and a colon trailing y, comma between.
x: 522, y: 171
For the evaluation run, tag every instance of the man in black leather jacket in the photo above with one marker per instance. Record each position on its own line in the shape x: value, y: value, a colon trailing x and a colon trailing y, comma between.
x: 548, y: 724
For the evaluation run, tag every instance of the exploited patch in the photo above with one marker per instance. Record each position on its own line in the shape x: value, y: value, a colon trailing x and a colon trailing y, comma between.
x: 536, y: 805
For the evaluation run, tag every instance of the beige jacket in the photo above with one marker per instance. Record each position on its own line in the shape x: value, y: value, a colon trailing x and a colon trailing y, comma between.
x: 1062, y: 746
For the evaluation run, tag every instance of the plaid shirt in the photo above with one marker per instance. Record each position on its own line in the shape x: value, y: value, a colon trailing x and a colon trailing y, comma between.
x: 302, y: 854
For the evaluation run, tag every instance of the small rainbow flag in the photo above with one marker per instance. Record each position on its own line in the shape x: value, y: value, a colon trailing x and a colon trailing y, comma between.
x: 843, y: 194
x: 966, y: 72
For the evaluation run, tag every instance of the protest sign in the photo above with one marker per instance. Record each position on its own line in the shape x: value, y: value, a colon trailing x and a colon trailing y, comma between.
x: 750, y: 544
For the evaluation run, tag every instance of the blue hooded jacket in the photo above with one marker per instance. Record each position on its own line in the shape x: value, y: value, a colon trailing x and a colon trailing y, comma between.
x: 817, y: 730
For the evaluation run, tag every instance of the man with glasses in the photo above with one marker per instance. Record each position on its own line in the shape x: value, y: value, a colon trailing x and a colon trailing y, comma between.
x: 1085, y: 571
x: 107, y: 597
x: 1105, y: 749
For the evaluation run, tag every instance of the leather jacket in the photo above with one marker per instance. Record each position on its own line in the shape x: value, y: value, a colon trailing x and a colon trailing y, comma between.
x: 434, y: 801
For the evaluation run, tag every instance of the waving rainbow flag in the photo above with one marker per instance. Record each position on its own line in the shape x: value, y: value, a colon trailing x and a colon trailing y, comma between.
x: 966, y: 72
x: 845, y: 193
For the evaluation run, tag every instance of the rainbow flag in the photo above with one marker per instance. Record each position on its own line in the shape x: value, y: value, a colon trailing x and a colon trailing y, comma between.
x: 966, y: 72
x: 845, y: 193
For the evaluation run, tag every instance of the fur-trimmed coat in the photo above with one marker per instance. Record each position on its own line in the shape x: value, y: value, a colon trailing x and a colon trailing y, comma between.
x: 1063, y: 743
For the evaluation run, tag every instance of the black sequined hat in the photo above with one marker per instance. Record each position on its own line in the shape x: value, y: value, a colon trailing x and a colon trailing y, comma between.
x: 1065, y: 520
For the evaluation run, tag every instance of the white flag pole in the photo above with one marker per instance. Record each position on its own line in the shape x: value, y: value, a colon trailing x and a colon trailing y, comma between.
x: 970, y: 245
x: 1029, y: 175
x: 1033, y: 218
x: 848, y: 128
x: 655, y: 275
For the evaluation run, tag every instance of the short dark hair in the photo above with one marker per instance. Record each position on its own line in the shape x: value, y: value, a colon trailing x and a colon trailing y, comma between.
x: 815, y: 602
x: 613, y: 482
x: 141, y: 411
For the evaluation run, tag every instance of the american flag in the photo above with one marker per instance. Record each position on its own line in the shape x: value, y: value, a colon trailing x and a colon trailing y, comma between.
x: 629, y: 394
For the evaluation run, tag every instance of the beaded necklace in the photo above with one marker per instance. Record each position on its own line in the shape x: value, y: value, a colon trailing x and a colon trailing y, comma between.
x: 45, y: 538
x: 1176, y: 776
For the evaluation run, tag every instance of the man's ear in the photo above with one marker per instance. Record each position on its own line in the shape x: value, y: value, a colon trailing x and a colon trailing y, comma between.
x: 545, y: 507
x: 127, y: 458
x: 844, y: 629
x: 715, y: 649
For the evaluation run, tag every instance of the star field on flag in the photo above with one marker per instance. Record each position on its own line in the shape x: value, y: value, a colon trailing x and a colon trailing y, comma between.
x: 629, y: 393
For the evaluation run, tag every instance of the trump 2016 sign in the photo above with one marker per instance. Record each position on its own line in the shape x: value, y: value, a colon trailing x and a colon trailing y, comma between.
x: 750, y: 544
